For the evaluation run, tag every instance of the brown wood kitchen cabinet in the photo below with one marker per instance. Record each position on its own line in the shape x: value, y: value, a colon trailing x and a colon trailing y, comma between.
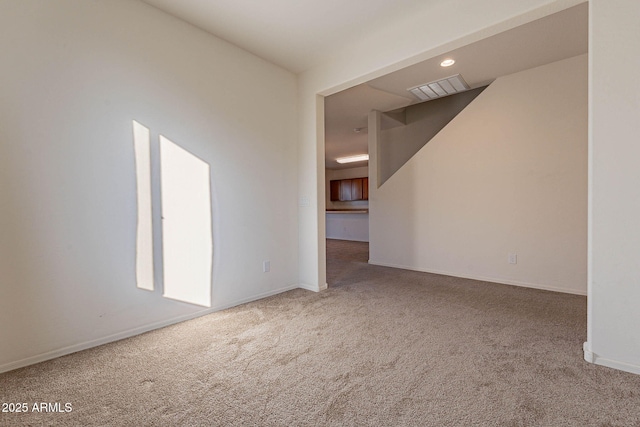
x: 345, y: 190
x: 335, y: 190
x: 365, y: 188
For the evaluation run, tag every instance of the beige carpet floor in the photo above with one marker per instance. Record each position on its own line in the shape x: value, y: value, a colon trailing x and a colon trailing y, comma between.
x: 380, y: 347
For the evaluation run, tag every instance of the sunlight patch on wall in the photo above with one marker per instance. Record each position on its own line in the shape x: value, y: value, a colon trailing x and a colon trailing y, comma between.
x: 144, y: 236
x: 186, y: 225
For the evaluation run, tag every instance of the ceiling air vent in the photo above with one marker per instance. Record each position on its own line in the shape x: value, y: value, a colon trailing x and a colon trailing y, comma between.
x: 440, y: 88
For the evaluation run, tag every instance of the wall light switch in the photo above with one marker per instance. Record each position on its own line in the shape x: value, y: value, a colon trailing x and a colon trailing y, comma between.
x: 513, y: 258
x: 304, y: 201
x: 266, y: 266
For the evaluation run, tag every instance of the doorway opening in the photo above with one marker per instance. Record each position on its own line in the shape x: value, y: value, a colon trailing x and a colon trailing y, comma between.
x: 345, y: 259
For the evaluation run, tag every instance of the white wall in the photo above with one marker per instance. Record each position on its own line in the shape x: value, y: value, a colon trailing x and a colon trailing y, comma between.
x: 422, y: 122
x: 614, y: 279
x: 75, y: 74
x: 331, y: 174
x: 506, y: 175
x: 348, y: 226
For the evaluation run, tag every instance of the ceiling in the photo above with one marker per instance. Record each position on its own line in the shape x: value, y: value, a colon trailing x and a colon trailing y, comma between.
x: 297, y: 35
x: 549, y: 39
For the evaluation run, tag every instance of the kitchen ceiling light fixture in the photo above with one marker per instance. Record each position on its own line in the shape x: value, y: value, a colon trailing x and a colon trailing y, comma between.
x: 351, y: 159
x: 447, y: 62
x: 439, y: 88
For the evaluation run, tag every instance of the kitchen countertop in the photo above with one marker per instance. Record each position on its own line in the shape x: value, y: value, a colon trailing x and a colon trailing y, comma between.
x: 347, y: 211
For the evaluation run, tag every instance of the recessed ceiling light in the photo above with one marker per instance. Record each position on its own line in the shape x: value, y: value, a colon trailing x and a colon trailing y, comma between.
x: 351, y: 159
x: 447, y: 62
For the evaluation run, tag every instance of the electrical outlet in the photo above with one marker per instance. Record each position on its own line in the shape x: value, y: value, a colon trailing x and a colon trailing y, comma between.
x: 513, y: 258
x: 266, y: 266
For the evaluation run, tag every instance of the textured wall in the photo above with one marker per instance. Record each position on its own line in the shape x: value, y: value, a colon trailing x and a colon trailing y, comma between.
x: 76, y: 74
x: 614, y: 298
x: 507, y: 175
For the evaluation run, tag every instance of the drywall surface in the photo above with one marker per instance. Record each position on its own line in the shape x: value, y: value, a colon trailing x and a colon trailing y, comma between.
x: 395, y: 45
x: 614, y: 280
x: 348, y: 226
x: 422, y: 122
x: 75, y: 74
x: 331, y: 174
x: 508, y: 175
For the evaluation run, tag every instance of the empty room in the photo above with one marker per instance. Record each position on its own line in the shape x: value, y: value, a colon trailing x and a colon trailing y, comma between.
x: 166, y: 256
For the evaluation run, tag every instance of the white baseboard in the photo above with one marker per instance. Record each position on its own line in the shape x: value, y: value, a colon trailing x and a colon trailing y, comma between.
x: 43, y: 357
x: 592, y: 357
x: 486, y: 279
x: 312, y: 288
x: 588, y: 354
